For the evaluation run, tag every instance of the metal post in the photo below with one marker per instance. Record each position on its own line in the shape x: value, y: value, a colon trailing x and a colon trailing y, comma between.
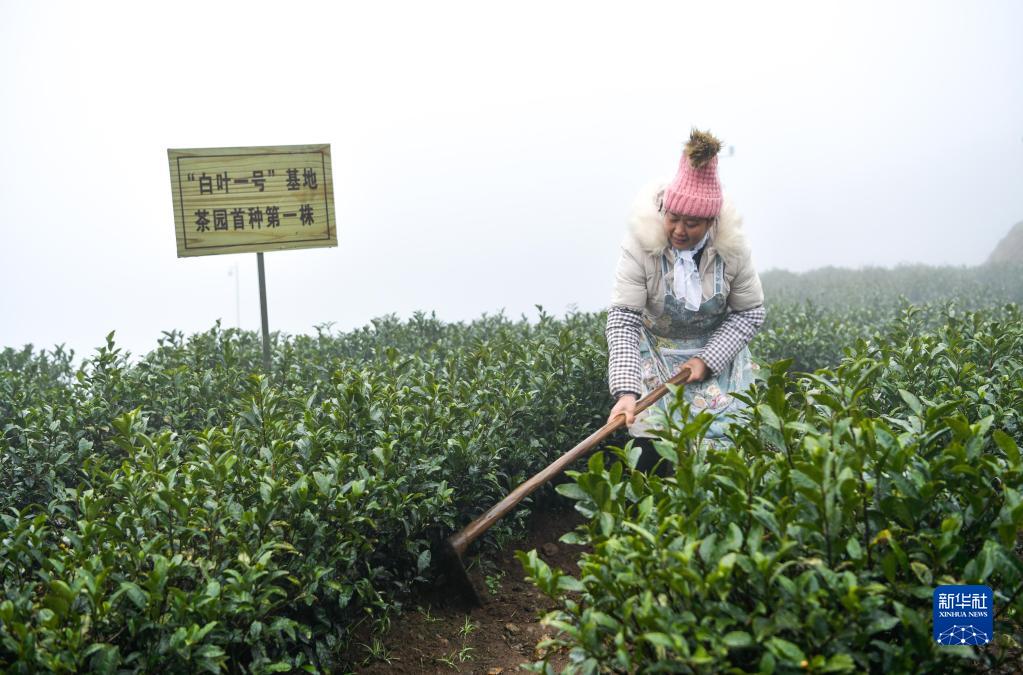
x: 262, y: 310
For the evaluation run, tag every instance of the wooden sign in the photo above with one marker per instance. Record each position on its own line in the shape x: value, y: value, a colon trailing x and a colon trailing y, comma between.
x: 238, y: 200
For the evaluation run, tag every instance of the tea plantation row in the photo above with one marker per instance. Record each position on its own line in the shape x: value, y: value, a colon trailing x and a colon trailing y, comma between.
x: 183, y: 513
x: 814, y: 542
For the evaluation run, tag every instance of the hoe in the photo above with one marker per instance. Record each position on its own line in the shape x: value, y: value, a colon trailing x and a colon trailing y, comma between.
x: 456, y: 544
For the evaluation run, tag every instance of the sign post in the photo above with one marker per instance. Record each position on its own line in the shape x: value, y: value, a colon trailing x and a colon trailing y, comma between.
x: 237, y: 200
x: 262, y: 313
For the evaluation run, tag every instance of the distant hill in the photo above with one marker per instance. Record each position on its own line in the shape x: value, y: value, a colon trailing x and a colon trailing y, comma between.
x: 1010, y: 248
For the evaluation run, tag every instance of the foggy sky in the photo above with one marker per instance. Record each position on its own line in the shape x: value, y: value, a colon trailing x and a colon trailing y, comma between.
x: 486, y: 155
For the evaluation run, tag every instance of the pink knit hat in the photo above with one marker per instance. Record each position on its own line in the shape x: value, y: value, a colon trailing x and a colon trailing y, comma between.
x: 696, y: 190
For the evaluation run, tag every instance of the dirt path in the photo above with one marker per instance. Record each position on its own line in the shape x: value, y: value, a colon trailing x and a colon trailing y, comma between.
x: 442, y: 636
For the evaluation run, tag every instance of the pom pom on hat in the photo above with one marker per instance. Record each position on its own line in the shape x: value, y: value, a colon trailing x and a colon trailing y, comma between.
x: 701, y: 148
x: 696, y: 190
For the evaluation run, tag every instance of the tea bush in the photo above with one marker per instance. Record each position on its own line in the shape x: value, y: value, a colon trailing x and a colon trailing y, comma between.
x: 814, y: 539
x: 185, y: 514
x: 814, y: 317
x: 180, y: 512
x: 840, y: 288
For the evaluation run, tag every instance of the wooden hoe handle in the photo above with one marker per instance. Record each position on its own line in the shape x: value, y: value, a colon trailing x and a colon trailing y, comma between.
x: 461, y: 540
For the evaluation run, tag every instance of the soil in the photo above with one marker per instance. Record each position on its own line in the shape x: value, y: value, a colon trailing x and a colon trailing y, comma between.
x: 438, y: 633
x: 503, y: 634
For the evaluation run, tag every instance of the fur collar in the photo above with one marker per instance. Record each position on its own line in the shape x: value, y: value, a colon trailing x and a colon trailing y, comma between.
x: 646, y: 225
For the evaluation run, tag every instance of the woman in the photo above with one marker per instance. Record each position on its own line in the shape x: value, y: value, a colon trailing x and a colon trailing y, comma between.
x: 686, y: 294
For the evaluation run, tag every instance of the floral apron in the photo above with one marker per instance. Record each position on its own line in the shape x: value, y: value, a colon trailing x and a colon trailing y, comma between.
x: 673, y: 338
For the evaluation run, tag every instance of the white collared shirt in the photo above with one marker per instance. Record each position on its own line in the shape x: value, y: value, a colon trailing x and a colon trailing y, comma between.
x: 687, y: 284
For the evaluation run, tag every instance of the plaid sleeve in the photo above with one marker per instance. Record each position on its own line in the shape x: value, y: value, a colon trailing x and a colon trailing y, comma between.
x: 623, y: 326
x: 732, y: 335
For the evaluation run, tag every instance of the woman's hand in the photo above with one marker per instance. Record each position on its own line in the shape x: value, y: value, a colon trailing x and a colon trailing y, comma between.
x: 626, y: 404
x: 698, y: 370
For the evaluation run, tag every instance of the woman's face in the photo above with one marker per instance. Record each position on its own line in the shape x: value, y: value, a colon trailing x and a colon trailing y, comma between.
x: 685, y: 232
